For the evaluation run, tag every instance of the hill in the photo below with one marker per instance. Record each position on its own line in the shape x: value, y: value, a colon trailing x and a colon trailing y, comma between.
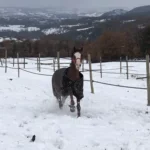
x: 36, y: 23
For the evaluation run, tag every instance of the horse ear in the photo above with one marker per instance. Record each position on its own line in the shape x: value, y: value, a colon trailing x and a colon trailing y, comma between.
x: 81, y: 49
x: 74, y: 49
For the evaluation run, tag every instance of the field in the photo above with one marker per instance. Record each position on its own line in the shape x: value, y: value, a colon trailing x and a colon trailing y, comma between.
x: 113, y: 118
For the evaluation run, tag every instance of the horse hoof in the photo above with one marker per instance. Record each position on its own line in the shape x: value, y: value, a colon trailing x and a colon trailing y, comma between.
x: 78, y: 115
x: 72, y: 108
x: 60, y: 105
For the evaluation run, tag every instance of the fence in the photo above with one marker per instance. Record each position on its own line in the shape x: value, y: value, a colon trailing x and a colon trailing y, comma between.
x: 39, y: 62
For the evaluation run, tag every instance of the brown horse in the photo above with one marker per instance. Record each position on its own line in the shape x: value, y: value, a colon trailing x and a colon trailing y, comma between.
x: 69, y: 82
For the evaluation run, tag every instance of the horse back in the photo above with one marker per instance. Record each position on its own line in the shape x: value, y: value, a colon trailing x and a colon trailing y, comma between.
x: 57, y: 79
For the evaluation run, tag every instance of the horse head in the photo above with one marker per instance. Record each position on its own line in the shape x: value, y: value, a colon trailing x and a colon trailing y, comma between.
x: 77, y: 57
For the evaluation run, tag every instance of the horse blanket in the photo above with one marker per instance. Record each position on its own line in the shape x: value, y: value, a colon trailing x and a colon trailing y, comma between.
x: 62, y: 85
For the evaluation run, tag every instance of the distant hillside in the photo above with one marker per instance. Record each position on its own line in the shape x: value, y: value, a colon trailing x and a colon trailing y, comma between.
x: 36, y: 23
x: 142, y: 11
x: 114, y: 12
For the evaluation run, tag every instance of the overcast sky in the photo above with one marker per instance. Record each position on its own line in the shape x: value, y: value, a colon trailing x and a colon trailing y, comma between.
x: 74, y: 3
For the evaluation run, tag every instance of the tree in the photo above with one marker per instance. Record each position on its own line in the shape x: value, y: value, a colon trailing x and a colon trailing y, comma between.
x: 145, y: 40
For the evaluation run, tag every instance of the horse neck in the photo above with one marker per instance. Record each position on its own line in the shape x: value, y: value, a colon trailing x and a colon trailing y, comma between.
x: 73, y: 73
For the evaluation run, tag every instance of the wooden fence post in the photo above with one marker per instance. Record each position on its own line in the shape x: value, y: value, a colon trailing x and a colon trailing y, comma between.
x: 83, y: 65
x: 58, y: 57
x: 13, y: 61
x: 24, y: 62
x: 54, y: 64
x: 101, y: 66
x: 1, y: 62
x: 5, y: 60
x: 120, y: 65
x: 127, y: 67
x: 90, y: 69
x: 18, y: 65
x: 148, y: 80
x: 39, y: 63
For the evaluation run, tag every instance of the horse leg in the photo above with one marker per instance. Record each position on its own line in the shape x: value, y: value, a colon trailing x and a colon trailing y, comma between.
x: 58, y: 97
x: 63, y: 99
x: 78, y: 108
x: 72, y: 107
x: 59, y: 101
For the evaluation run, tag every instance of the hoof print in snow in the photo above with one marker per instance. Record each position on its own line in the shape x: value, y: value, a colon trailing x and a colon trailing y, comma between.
x: 58, y: 143
x: 3, y: 133
x: 21, y: 125
x: 33, y: 138
x: 146, y: 112
x: 59, y: 131
x: 35, y: 116
x: 28, y: 129
x: 25, y: 122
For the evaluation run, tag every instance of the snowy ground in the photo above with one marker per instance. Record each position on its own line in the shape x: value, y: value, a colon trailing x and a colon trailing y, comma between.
x: 113, y: 118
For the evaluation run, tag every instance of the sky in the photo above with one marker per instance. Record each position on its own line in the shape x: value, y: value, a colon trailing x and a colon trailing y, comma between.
x: 80, y: 4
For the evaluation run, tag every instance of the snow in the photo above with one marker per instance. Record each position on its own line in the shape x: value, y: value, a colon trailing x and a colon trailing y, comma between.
x: 102, y: 20
x: 93, y: 14
x: 1, y: 39
x: 70, y: 26
x: 127, y: 21
x: 141, y: 26
x: 118, y: 12
x: 18, y: 28
x: 54, y: 31
x: 6, y: 39
x: 20, y: 14
x: 82, y: 29
x: 113, y: 118
x: 33, y: 29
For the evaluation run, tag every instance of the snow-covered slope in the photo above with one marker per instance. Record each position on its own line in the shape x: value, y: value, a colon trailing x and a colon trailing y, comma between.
x: 54, y: 31
x: 18, y: 28
x: 113, y: 118
x: 46, y: 13
x: 115, y: 12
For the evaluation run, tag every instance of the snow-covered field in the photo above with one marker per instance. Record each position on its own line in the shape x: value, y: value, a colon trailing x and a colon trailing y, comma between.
x: 84, y: 29
x: 18, y: 28
x: 113, y: 118
x: 54, y: 31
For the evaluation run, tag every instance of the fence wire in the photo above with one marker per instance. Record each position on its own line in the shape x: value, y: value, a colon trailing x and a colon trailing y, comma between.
x: 40, y: 59
x: 11, y: 67
x: 86, y: 70
x: 132, y: 87
x: 35, y: 72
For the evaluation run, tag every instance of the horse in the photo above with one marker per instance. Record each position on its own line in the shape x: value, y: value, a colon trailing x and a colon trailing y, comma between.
x: 69, y: 82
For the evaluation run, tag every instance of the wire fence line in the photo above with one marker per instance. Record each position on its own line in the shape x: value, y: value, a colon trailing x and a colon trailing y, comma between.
x: 84, y: 80
x: 131, y: 73
x: 40, y: 59
x: 12, y: 68
x: 85, y: 70
x: 104, y: 83
x: 101, y: 70
x: 35, y: 72
x: 123, y: 86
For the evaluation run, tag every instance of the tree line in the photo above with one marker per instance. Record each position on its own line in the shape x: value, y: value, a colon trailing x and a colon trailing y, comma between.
x: 111, y: 45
